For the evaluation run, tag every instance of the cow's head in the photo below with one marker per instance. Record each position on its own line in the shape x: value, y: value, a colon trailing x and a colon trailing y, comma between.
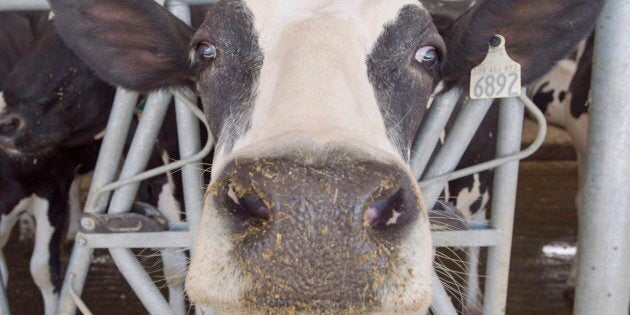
x: 314, y: 105
x: 51, y: 99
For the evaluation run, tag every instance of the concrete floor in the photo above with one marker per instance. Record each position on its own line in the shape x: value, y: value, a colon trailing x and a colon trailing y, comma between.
x: 545, y: 232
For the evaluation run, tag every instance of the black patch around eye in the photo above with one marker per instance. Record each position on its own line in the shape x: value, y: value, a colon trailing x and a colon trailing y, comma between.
x: 403, y: 84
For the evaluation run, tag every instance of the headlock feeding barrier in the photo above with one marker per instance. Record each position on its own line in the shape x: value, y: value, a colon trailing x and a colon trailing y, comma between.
x: 603, y: 285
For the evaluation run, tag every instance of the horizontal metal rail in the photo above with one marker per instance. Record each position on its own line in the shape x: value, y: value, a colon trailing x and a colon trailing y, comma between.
x: 178, y: 239
x: 15, y: 5
x: 183, y: 239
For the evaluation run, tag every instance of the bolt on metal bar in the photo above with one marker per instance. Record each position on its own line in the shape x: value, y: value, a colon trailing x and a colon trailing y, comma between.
x: 603, y: 281
x: 509, y: 136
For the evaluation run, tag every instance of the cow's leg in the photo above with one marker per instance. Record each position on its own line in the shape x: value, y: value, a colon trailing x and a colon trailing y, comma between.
x: 27, y: 227
x: 174, y: 261
x: 49, y: 217
x: 7, y: 222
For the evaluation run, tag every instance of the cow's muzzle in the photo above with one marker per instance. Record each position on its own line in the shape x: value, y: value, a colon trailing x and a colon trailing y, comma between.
x: 316, y: 232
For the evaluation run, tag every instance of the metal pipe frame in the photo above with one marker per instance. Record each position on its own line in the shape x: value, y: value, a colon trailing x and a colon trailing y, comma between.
x: 4, y: 301
x: 464, y: 128
x: 603, y: 281
x: 511, y: 115
x: 17, y: 5
x: 596, y: 241
x: 107, y: 164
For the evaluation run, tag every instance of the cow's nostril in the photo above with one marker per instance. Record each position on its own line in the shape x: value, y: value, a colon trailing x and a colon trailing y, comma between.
x: 254, y: 208
x: 247, y: 207
x: 385, y: 211
x: 9, y: 125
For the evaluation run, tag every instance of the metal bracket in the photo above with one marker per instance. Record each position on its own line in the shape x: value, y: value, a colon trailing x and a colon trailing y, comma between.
x: 144, y: 218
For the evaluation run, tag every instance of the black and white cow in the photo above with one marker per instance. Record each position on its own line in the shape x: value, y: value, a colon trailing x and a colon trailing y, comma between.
x: 51, y: 109
x: 52, y: 117
x: 314, y: 105
x: 564, y: 95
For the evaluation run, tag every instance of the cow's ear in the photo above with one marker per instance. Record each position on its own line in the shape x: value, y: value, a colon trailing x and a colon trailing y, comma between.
x: 538, y: 33
x: 134, y: 44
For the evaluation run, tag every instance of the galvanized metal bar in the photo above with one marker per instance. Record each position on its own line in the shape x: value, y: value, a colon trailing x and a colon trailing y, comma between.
x: 481, y: 238
x: 432, y: 129
x: 442, y: 303
x: 531, y: 149
x: 457, y: 141
x: 4, y: 301
x: 111, y: 151
x: 189, y: 144
x: 603, y: 282
x: 469, y: 238
x: 503, y: 203
x: 15, y: 5
x: 141, y: 148
x: 175, y: 261
x: 140, y: 281
x: 174, y: 268
x: 105, y: 171
x: 138, y: 240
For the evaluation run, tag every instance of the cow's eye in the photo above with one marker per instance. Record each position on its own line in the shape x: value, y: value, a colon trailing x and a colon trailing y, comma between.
x: 206, y: 51
x: 427, y: 55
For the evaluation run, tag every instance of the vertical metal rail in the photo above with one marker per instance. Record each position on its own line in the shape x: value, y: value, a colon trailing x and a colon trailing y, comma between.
x: 603, y: 283
x: 503, y: 204
x: 432, y: 127
x: 138, y: 156
x: 189, y: 144
x: 106, y: 168
x: 4, y: 301
x: 464, y: 128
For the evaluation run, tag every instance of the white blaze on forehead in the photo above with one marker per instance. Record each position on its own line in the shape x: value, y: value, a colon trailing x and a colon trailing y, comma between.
x: 368, y: 16
x: 314, y: 78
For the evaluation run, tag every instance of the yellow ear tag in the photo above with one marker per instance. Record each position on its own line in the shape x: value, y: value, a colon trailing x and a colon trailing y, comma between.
x: 498, y: 76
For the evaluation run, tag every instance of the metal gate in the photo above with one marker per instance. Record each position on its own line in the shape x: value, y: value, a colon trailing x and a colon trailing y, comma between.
x: 603, y: 286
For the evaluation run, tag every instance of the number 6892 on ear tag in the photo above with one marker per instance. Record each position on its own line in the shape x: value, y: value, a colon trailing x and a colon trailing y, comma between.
x: 498, y: 76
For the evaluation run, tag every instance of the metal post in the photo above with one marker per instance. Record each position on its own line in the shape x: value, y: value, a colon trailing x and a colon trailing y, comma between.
x: 4, y: 301
x: 503, y: 203
x: 141, y: 149
x: 462, y: 132
x: 441, y: 304
x: 603, y: 283
x: 137, y: 158
x: 140, y: 281
x: 105, y: 171
x: 431, y: 130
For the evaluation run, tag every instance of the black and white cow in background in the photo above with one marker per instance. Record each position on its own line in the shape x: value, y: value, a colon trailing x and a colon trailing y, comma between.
x: 314, y: 105
x: 53, y: 110
x: 564, y: 95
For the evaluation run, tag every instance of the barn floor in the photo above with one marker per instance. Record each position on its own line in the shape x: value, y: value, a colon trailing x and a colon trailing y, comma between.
x: 545, y: 232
